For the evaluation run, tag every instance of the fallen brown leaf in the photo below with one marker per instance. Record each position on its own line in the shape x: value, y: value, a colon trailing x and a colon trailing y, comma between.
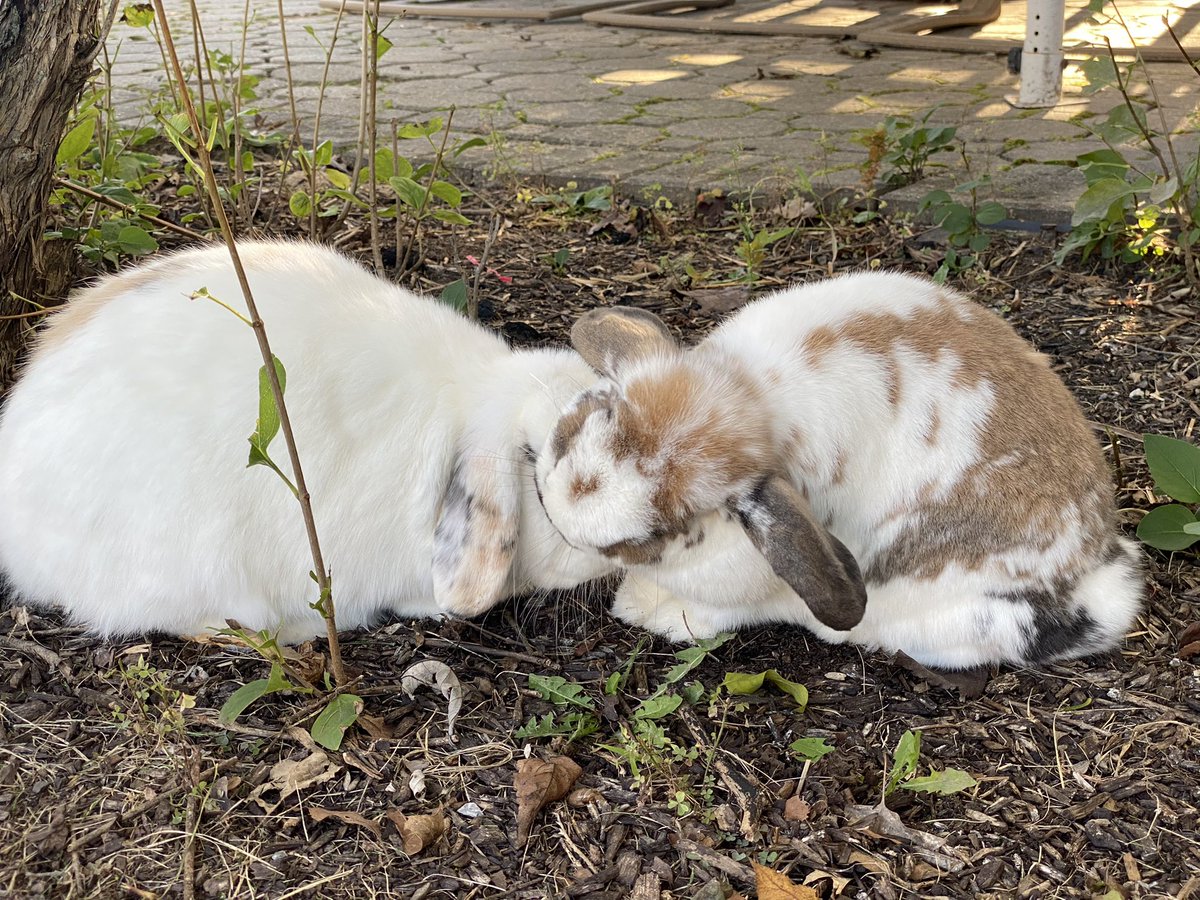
x: 291, y: 775
x: 774, y: 885
x: 319, y: 814
x: 970, y: 683
x: 376, y: 727
x: 837, y: 883
x: 796, y: 809
x: 418, y: 832
x: 539, y: 782
x: 719, y: 301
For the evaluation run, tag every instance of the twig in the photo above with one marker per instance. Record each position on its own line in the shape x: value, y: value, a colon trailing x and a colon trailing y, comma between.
x: 1171, y: 31
x: 372, y: 132
x: 264, y: 346
x: 473, y: 298
x: 31, y: 648
x: 32, y: 314
x: 125, y: 207
x: 433, y: 173
x: 190, y: 824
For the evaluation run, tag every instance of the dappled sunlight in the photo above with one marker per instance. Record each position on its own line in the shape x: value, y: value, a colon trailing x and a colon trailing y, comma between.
x: 639, y: 76
x: 809, y: 67
x: 705, y: 59
x: 757, y: 91
x: 994, y: 110
x: 935, y: 76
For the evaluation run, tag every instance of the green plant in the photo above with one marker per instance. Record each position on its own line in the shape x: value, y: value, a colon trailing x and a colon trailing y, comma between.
x: 752, y: 248
x: 155, y: 706
x: 569, y: 200
x: 1128, y: 211
x: 905, y: 760
x: 900, y: 149
x: 963, y: 222
x: 1175, y: 466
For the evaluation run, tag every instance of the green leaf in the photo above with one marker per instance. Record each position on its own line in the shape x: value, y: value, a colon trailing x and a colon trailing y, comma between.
x: 1165, y: 528
x: 425, y: 129
x: 1192, y: 528
x: 138, y: 15
x: 559, y: 691
x: 446, y: 192
x: 77, y: 140
x: 330, y: 726
x: 1099, y: 198
x: 451, y: 217
x: 611, y: 684
x: 300, y: 203
x: 749, y: 683
x: 267, y: 425
x: 990, y: 212
x: 248, y: 693
x: 323, y: 155
x: 382, y: 46
x: 947, y: 781
x: 810, y: 748
x: 1175, y: 465
x: 454, y: 295
x: 469, y: 145
x: 136, y: 240
x: 409, y: 192
x: 1162, y: 191
x: 657, y: 707
x: 338, y: 178
x: 904, y: 760
x: 385, y: 164
x: 933, y: 198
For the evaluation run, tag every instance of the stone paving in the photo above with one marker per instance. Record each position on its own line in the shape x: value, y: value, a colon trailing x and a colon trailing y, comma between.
x: 662, y: 113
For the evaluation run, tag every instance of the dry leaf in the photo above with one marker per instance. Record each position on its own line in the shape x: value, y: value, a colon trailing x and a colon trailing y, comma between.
x: 796, y: 809
x: 719, y: 301
x: 774, y: 885
x: 291, y: 775
x: 881, y: 820
x: 970, y: 683
x: 376, y: 727
x: 539, y: 782
x: 434, y: 674
x: 418, y: 832
x: 837, y: 882
x: 350, y: 817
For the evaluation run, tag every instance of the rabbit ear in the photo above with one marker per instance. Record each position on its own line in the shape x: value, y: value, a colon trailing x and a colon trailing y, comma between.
x: 475, y: 539
x: 608, y: 338
x: 814, y: 563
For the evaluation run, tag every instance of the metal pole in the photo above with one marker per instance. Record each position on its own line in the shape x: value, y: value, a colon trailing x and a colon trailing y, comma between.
x: 1042, y: 56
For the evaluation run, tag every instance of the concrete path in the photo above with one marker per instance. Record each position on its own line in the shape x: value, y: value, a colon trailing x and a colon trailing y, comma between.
x: 663, y: 113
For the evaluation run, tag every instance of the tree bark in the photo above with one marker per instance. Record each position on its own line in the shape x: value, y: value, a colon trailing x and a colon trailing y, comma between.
x: 46, y: 52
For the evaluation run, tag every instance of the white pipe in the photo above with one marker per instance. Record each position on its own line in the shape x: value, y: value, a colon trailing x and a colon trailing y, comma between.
x: 1042, y: 56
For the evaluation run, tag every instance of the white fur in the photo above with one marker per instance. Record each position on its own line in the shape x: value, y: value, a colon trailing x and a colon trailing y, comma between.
x: 124, y: 493
x: 866, y: 467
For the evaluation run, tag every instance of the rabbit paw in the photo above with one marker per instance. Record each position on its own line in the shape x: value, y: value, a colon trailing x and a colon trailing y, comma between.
x: 660, y: 612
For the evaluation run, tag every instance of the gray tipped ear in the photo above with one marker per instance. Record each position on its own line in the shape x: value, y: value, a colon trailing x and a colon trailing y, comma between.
x: 475, y: 539
x: 814, y: 563
x: 608, y: 338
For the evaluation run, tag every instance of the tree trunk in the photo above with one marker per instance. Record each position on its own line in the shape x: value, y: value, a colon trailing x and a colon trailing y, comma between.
x: 46, y: 53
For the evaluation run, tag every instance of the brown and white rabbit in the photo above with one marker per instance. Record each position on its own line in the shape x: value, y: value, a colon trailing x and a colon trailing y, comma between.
x: 124, y: 493
x: 874, y: 428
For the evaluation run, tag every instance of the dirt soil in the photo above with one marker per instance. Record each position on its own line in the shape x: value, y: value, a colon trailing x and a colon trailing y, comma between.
x: 117, y: 780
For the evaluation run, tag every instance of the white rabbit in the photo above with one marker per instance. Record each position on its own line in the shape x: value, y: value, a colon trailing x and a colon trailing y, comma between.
x: 877, y: 419
x: 124, y: 493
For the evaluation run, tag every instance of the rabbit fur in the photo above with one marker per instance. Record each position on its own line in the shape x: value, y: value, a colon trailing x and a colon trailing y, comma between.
x: 124, y: 493
x: 873, y: 430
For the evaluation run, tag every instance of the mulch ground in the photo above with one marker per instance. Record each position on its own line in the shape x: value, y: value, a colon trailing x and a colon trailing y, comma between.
x: 114, y: 784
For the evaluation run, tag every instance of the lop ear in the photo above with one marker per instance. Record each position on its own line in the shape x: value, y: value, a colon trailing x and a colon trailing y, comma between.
x: 814, y: 563
x: 475, y: 539
x: 608, y: 338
